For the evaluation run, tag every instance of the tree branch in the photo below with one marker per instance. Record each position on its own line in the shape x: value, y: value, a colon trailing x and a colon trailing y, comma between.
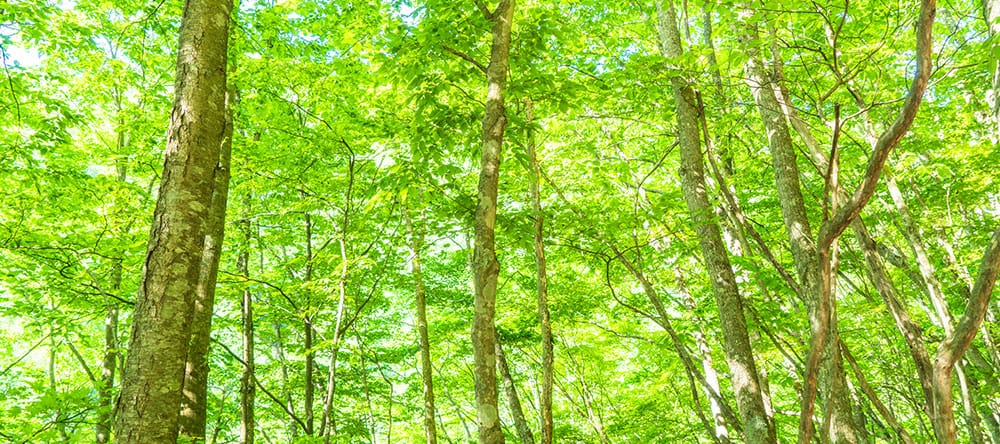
x: 831, y: 230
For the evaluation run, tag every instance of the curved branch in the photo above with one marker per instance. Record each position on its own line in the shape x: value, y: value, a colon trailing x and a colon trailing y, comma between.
x: 831, y: 230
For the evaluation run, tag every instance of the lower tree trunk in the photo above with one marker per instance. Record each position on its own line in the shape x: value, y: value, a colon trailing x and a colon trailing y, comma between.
x: 545, y: 403
x: 194, y: 404
x: 426, y: 372
x: 248, y: 388
x: 513, y: 401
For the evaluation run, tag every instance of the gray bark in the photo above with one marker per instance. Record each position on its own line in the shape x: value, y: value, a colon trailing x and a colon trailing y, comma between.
x: 743, y: 370
x: 194, y: 404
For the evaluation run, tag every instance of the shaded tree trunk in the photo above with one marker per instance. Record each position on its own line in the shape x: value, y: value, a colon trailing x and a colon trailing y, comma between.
x: 148, y: 407
x: 484, y: 262
x: 194, y: 404
x: 743, y: 369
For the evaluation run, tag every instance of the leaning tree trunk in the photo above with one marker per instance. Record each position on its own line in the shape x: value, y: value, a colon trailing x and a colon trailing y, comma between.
x: 513, y: 400
x: 484, y: 263
x: 194, y: 404
x: 148, y: 407
x: 757, y: 426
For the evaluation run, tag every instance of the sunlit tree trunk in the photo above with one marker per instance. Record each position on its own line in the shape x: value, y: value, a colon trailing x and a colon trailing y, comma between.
x: 148, y: 407
x: 743, y: 370
x: 484, y: 262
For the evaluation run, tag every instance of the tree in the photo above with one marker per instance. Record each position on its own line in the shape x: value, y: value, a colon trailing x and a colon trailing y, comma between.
x: 484, y: 262
x: 757, y: 424
x: 148, y: 407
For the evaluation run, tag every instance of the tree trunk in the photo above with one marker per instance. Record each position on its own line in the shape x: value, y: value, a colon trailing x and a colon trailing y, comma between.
x: 513, y: 400
x: 148, y: 407
x: 484, y: 263
x: 426, y: 372
x: 194, y: 404
x: 248, y: 390
x: 743, y: 369
x: 545, y: 403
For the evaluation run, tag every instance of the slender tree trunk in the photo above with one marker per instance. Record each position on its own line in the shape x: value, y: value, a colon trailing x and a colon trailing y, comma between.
x: 194, y: 404
x: 248, y: 389
x: 542, y: 286
x: 148, y: 408
x: 513, y: 400
x: 743, y: 369
x: 426, y: 373
x: 484, y: 263
x: 720, y: 430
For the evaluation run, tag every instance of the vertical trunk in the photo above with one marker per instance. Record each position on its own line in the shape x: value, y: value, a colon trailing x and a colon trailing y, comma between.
x: 247, y: 386
x: 308, y: 331
x: 484, y: 263
x: 797, y: 226
x: 279, y: 351
x: 545, y: 403
x: 513, y: 401
x: 58, y: 421
x: 743, y: 369
x: 426, y: 373
x: 154, y: 371
x: 194, y: 406
x: 109, y: 363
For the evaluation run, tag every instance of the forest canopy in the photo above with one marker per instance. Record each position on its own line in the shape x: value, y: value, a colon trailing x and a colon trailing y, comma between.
x: 579, y: 221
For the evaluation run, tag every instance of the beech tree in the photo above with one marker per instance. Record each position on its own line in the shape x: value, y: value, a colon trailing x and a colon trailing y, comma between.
x: 581, y: 221
x: 149, y: 405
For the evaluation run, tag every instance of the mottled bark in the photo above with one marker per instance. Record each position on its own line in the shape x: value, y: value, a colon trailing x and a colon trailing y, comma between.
x: 194, y: 404
x: 743, y: 370
x: 542, y: 287
x: 484, y: 263
x: 148, y: 407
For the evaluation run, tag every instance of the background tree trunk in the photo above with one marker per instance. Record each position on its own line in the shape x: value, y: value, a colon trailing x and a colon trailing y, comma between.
x: 743, y: 369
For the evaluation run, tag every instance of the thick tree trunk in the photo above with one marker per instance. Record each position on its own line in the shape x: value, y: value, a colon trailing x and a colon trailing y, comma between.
x: 545, y: 325
x: 148, y: 408
x: 743, y: 369
x: 194, y: 404
x: 484, y: 262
